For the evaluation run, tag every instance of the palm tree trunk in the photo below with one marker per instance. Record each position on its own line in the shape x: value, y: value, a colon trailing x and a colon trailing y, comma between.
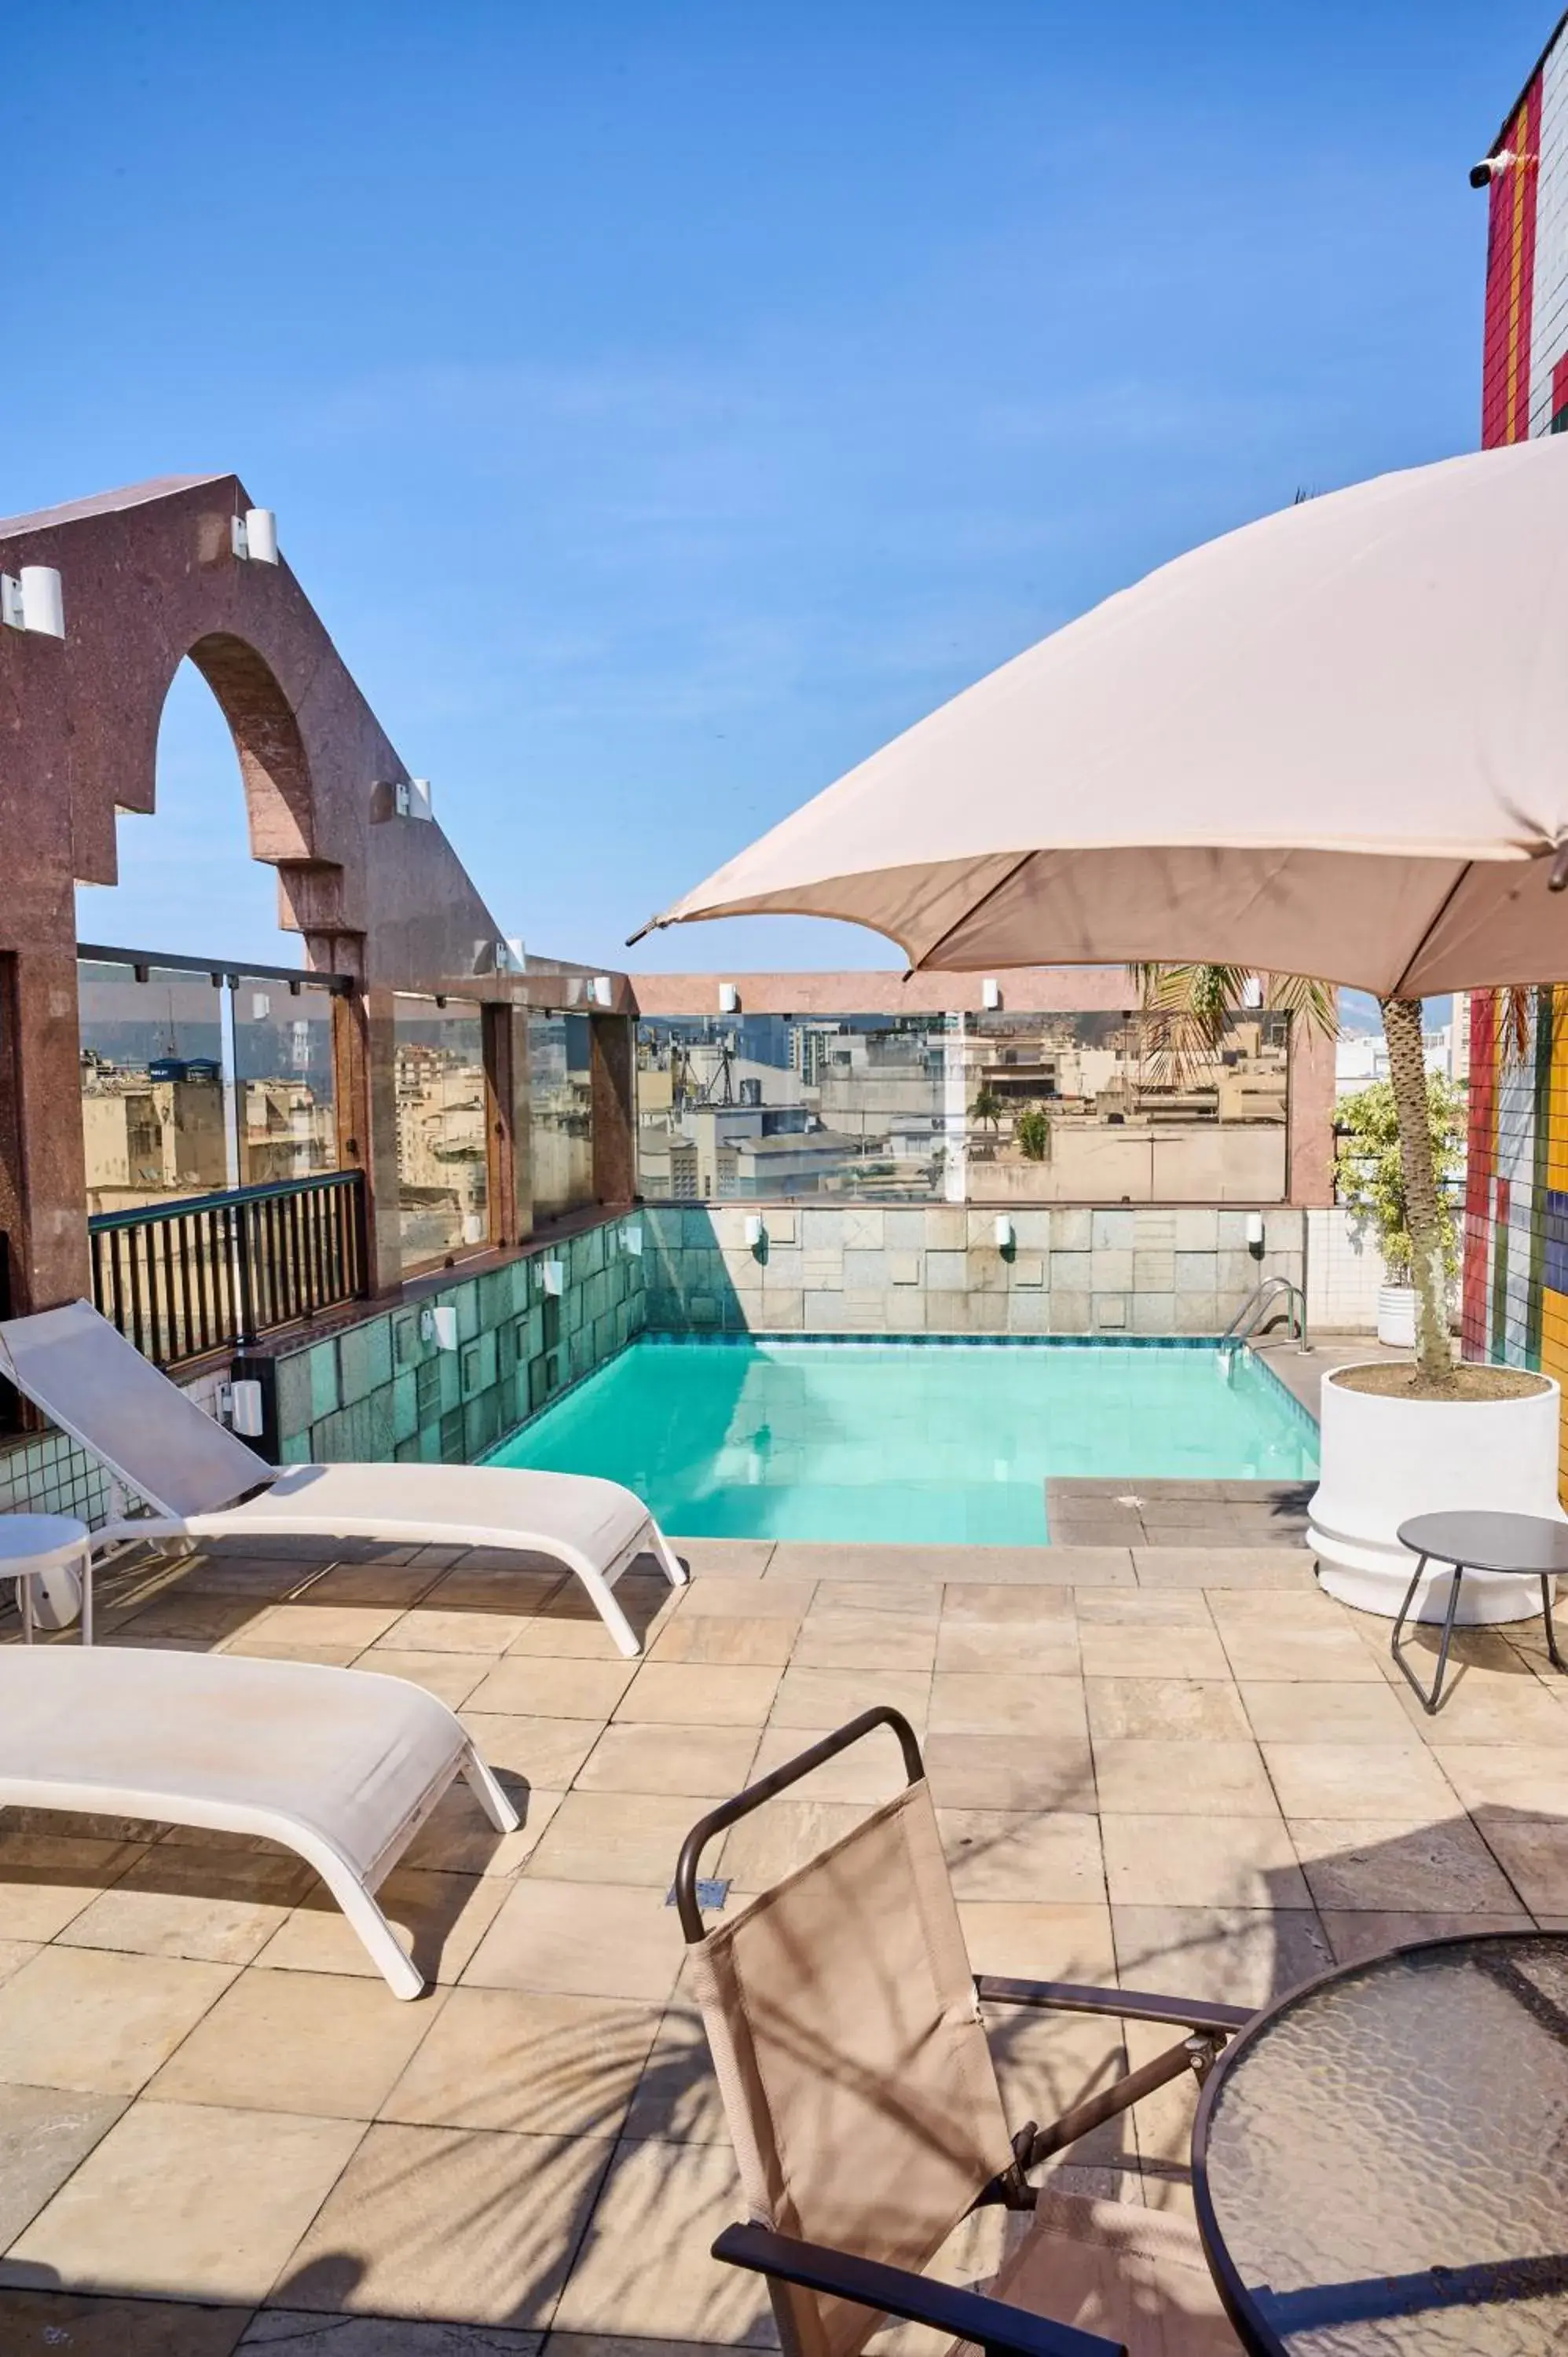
x: 1407, y: 1071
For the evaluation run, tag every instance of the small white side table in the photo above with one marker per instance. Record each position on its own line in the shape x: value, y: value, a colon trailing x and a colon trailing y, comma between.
x: 30, y: 1544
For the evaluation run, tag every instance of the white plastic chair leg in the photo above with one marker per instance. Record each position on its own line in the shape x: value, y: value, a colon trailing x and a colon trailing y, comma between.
x: 675, y: 1569
x: 490, y: 1795
x: 605, y: 1605
x: 380, y: 1942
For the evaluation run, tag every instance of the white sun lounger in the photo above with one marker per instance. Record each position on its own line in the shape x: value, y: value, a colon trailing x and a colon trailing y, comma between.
x: 201, y: 1482
x: 339, y: 1765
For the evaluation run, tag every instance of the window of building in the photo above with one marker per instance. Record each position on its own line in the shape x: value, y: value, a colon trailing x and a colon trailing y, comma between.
x: 285, y: 1097
x: 152, y: 1113
x: 560, y: 1112
x: 442, y: 1158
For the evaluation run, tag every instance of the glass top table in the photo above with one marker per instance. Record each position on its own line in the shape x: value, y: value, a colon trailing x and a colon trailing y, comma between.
x: 1380, y: 2161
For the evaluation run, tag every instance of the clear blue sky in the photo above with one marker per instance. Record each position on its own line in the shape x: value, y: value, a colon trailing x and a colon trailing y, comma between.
x: 666, y: 403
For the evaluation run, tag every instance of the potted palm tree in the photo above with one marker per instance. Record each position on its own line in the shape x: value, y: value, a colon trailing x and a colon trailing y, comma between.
x: 1426, y: 1435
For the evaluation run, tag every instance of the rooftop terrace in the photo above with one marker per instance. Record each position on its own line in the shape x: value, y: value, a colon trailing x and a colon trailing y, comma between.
x: 1151, y: 1764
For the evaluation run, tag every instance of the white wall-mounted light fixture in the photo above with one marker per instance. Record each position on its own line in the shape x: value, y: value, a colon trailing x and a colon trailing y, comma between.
x: 439, y: 1325
x: 632, y: 1237
x: 516, y: 956
x: 729, y: 998
x: 755, y: 1231
x: 1252, y: 991
x: 476, y: 1228
x: 553, y: 1276
x: 991, y: 994
x: 242, y: 1404
x: 410, y: 797
x: 1254, y: 1231
x: 1006, y: 1234
x: 31, y: 600
x: 255, y: 536
x: 1492, y: 167
x: 601, y: 991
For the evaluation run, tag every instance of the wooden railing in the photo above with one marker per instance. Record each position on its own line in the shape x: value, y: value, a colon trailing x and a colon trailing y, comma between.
x: 216, y: 1272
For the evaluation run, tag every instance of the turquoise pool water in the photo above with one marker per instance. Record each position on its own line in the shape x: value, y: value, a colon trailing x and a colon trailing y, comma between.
x: 905, y: 1441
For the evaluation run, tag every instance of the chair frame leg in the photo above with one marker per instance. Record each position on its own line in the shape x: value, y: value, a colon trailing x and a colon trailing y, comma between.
x: 1556, y: 1659
x: 1429, y: 1702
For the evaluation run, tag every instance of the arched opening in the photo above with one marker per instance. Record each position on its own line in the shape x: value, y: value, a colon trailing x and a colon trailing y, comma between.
x: 200, y: 1070
x: 192, y: 877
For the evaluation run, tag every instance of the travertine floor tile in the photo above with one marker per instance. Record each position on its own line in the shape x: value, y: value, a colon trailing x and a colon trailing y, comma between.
x: 1046, y: 2062
x: 1386, y: 1865
x: 1347, y: 1780
x: 440, y: 1920
x: 1037, y: 1939
x: 44, y: 2134
x: 1010, y: 1772
x: 13, y: 1954
x: 1171, y: 1861
x: 277, y: 2042
x: 551, y: 1688
x: 1138, y: 1607
x: 998, y: 1853
x: 546, y: 1753
x: 703, y: 1763
x: 458, y: 1837
x: 770, y: 1599
x: 40, y: 2323
x: 185, y: 2194
x: 1025, y: 1607
x: 618, y: 1940
x: 1220, y: 1567
x: 527, y: 2062
x: 869, y: 1770
x: 99, y: 2023
x: 1283, y: 1710
x: 914, y: 1602
x: 689, y: 1694
x: 1485, y: 1707
x: 220, y: 1906
x: 1112, y: 1650
x: 45, y: 1884
x: 1164, y: 1710
x: 712, y: 1560
x: 1531, y: 1777
x: 724, y: 1640
x: 865, y: 1641
x: 647, y: 2252
x: 1008, y: 1647
x: 289, y: 2332
x: 454, y: 2223
x: 310, y: 1624
x: 786, y: 1834
x: 965, y: 1704
x: 1187, y: 1779
x: 1224, y: 1956
x: 450, y: 1677
x: 1533, y: 1852
x: 1328, y: 1652
x: 1363, y: 1931
x: 677, y: 2097
x: 615, y: 1838
x: 432, y: 1629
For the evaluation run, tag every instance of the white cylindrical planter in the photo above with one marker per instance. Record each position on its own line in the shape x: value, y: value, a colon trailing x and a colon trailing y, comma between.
x: 1396, y: 1317
x: 1383, y: 1461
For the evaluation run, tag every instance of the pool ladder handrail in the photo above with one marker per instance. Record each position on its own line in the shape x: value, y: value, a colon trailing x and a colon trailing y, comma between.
x: 1244, y: 1324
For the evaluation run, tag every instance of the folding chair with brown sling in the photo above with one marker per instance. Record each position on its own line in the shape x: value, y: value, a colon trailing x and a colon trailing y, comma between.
x: 861, y: 2093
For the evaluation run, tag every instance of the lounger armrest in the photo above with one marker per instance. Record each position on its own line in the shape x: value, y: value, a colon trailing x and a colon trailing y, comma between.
x: 992, y: 2324
x: 1130, y: 2005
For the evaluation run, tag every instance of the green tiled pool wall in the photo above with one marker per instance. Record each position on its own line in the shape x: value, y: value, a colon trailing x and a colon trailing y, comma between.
x: 937, y: 1269
x: 381, y: 1390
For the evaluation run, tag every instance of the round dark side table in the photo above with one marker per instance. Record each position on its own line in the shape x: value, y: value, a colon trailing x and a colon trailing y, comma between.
x: 1521, y: 1546
x: 1380, y: 2159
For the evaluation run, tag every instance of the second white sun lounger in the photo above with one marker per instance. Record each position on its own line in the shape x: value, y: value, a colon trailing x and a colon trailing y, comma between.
x: 201, y: 1482
x: 339, y: 1765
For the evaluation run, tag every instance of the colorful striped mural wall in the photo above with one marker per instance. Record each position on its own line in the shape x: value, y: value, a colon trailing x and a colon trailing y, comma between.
x: 1515, y: 1267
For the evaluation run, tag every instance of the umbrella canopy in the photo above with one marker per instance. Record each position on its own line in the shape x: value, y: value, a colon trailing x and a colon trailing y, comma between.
x: 1333, y: 743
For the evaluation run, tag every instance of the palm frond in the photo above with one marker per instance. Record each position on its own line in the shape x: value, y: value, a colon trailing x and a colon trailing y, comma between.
x: 1189, y: 1009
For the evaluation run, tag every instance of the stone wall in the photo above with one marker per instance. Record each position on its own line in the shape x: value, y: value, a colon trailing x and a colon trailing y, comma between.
x: 379, y: 1389
x: 937, y: 1270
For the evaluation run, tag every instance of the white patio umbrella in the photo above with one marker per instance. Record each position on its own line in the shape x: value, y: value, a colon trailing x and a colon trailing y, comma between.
x: 1333, y: 743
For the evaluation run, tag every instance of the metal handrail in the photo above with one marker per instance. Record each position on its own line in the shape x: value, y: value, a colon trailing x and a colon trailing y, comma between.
x: 1244, y: 1323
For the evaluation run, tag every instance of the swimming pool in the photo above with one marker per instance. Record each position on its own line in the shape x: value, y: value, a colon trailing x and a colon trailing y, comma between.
x: 907, y: 1441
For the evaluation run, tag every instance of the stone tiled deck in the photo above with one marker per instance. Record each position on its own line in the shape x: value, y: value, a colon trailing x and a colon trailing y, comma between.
x: 1180, y: 1766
